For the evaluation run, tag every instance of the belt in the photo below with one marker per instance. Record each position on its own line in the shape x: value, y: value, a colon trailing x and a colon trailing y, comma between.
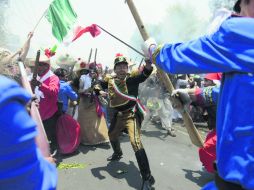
x: 121, y: 113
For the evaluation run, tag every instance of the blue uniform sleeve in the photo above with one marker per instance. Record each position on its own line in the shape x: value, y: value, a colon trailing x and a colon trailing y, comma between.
x: 21, y: 164
x: 71, y: 93
x: 230, y: 49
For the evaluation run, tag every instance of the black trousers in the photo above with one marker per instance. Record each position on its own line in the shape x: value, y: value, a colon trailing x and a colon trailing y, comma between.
x: 50, y: 129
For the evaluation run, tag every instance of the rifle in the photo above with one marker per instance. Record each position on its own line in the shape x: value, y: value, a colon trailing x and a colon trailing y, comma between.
x: 140, y: 63
x: 36, y: 64
x: 41, y: 138
x: 90, y: 55
x: 35, y: 73
x: 95, y: 56
x: 94, y: 80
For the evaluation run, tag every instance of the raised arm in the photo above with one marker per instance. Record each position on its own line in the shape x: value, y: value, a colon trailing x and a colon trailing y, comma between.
x: 221, y: 52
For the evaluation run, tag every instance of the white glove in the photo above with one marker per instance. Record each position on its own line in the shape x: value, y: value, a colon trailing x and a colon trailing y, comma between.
x: 148, y: 47
x: 182, y: 95
x: 180, y: 90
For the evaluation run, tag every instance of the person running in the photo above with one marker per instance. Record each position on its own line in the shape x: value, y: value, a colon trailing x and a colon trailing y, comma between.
x: 123, y: 98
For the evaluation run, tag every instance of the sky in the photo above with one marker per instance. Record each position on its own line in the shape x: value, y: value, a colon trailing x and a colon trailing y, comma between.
x: 115, y: 17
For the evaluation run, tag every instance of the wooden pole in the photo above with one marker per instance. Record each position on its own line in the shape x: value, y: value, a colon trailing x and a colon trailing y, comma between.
x: 41, y: 138
x: 192, y: 130
x: 37, y: 23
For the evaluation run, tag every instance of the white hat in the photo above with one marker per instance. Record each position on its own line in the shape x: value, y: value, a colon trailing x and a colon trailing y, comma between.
x: 80, y: 65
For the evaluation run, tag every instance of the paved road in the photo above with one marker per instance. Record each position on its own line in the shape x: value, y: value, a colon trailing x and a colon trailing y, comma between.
x: 174, y: 164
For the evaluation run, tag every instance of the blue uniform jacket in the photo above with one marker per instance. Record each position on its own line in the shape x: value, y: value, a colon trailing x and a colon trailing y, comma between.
x: 21, y: 164
x: 230, y: 50
x: 66, y: 93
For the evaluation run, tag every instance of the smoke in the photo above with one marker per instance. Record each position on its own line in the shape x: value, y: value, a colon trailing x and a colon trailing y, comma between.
x: 166, y: 21
x: 228, y: 4
x: 184, y: 20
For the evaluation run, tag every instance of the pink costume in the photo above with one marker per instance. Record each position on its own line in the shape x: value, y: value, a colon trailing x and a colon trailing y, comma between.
x: 48, y: 104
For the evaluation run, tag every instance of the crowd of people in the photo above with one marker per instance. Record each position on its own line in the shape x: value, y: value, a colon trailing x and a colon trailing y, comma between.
x: 214, y: 73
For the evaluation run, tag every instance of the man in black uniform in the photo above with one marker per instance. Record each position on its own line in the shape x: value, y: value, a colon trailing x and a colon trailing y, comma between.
x: 123, y: 98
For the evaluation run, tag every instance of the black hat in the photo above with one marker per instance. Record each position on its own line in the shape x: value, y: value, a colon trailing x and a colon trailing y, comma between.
x: 237, y: 7
x: 120, y: 59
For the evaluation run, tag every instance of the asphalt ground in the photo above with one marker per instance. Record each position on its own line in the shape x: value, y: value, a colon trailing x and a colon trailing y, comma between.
x: 174, y: 164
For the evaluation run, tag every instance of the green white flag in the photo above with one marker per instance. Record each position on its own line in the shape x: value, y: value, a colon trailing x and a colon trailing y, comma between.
x: 62, y: 17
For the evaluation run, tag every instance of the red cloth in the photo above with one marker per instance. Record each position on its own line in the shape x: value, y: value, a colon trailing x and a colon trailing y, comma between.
x: 68, y: 134
x: 213, y: 76
x: 48, y: 104
x: 79, y: 31
x: 207, y: 154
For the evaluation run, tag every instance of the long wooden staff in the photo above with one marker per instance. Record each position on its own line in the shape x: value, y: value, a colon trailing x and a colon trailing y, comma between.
x: 192, y: 130
x: 41, y: 138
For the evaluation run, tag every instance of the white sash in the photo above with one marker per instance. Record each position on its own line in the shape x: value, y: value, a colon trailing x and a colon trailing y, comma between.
x: 39, y: 94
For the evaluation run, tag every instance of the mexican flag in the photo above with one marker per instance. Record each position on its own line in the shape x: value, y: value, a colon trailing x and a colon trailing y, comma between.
x: 62, y: 17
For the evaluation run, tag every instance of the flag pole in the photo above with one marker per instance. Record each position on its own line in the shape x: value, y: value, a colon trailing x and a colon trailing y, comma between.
x: 121, y: 41
x: 194, y: 135
x: 40, y: 19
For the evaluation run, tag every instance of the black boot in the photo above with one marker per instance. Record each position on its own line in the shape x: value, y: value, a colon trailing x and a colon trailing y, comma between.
x: 144, y: 168
x: 117, y: 155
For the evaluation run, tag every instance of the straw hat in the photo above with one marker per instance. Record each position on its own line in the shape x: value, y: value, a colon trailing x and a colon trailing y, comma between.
x: 4, y: 53
x: 43, y: 59
x: 5, y: 63
x: 80, y: 65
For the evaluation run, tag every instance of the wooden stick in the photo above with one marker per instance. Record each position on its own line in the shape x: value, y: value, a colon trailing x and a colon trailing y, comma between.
x: 41, y: 138
x: 40, y: 20
x: 192, y: 130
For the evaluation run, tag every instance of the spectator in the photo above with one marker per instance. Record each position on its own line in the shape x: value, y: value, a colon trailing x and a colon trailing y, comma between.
x: 66, y: 92
x: 22, y: 165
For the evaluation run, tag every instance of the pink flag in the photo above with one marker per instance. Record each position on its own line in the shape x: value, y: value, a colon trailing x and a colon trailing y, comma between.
x: 93, y: 29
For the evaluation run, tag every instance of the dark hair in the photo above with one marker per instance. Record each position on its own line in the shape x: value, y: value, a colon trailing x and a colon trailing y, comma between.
x: 84, y: 72
x: 119, y: 63
x: 60, y: 72
x: 237, y: 7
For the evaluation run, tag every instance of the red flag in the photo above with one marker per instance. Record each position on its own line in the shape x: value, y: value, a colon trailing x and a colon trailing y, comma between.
x: 93, y: 29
